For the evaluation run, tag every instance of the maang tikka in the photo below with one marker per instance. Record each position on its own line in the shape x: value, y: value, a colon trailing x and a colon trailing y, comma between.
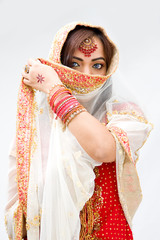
x: 88, y: 46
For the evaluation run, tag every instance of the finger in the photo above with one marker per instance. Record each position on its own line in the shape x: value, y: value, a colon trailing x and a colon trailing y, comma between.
x: 31, y: 61
x: 25, y: 75
x: 37, y: 60
x: 26, y: 81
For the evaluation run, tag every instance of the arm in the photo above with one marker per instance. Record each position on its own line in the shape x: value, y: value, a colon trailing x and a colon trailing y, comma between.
x: 94, y: 137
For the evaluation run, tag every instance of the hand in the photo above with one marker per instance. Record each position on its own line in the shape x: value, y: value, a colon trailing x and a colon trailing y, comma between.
x: 40, y: 76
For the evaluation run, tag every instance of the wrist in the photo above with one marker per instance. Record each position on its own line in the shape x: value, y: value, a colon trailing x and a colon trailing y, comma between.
x: 64, y: 104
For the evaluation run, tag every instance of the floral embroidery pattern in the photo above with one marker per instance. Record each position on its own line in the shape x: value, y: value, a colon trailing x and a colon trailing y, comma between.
x: 89, y: 216
x: 23, y: 151
x: 76, y: 81
x: 122, y: 136
x: 35, y: 222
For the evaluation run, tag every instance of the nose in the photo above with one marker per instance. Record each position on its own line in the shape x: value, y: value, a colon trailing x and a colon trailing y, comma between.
x: 87, y: 70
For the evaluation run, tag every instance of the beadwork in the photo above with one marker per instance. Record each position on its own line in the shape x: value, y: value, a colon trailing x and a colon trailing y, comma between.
x: 67, y: 107
x: 23, y: 139
x: 102, y: 217
x: 88, y: 46
x: 76, y: 81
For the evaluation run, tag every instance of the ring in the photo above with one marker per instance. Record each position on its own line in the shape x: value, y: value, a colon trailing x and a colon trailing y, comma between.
x: 26, y: 69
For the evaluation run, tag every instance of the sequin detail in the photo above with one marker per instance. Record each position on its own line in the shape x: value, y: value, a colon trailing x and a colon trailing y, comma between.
x: 18, y: 219
x: 112, y: 223
x: 89, y: 216
x: 23, y: 150
x: 88, y: 46
x: 123, y: 138
x: 127, y: 108
x: 78, y: 82
x: 35, y: 222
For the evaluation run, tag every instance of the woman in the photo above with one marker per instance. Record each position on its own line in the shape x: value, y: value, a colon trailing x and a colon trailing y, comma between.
x: 76, y: 149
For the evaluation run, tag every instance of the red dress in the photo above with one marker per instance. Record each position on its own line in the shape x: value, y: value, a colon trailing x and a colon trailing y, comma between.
x: 102, y: 216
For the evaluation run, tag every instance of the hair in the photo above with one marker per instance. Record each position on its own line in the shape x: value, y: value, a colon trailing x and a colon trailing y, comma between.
x: 78, y: 35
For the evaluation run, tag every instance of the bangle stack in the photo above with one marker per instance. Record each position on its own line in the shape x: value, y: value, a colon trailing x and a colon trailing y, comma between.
x: 67, y: 107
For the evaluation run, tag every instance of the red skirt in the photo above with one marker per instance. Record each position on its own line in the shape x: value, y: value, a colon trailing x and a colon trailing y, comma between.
x: 102, y: 216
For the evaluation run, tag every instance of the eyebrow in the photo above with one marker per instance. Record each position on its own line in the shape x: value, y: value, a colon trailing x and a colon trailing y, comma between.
x: 95, y: 59
x: 80, y: 59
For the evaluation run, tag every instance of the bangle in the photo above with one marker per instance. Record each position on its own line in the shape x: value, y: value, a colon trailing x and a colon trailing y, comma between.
x: 71, y: 111
x: 59, y: 105
x: 73, y: 115
x: 67, y: 107
x: 67, y: 110
x: 57, y: 94
x: 61, y: 93
x: 52, y: 89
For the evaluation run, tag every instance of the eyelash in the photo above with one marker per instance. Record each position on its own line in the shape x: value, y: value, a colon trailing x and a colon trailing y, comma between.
x: 94, y: 66
x: 100, y: 64
x: 72, y: 64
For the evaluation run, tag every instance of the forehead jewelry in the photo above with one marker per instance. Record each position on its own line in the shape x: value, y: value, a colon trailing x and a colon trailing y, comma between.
x: 88, y: 46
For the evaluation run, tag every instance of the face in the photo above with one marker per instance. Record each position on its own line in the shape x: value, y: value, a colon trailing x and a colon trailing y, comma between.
x: 94, y: 64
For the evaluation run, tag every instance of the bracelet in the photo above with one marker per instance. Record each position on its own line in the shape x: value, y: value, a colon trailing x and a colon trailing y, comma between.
x: 60, y: 93
x: 53, y: 89
x: 73, y: 115
x: 71, y: 111
x: 67, y: 111
x: 66, y: 102
x: 57, y: 94
x: 67, y: 108
x: 60, y: 103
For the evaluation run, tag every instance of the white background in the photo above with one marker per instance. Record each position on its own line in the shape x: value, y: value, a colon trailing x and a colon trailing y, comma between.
x: 27, y: 29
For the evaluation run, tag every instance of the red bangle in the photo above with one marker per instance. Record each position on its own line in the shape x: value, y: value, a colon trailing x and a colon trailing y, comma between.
x: 57, y: 94
x: 58, y: 104
x: 54, y: 95
x: 64, y: 105
x: 73, y: 115
x: 66, y: 110
x: 74, y: 109
x: 60, y: 95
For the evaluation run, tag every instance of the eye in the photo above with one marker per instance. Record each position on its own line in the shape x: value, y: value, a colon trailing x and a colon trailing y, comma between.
x: 74, y: 64
x: 98, y: 66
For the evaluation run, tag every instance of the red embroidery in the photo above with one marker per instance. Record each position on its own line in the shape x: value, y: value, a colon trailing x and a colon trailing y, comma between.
x: 23, y: 145
x: 88, y: 46
x: 76, y: 81
x: 109, y: 221
x: 123, y: 138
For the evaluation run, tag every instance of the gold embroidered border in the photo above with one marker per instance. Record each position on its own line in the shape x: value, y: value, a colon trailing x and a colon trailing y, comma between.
x: 24, y: 133
x: 35, y: 222
x: 131, y: 113
x: 76, y: 81
x: 89, y: 216
x: 122, y: 137
x: 138, y: 117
